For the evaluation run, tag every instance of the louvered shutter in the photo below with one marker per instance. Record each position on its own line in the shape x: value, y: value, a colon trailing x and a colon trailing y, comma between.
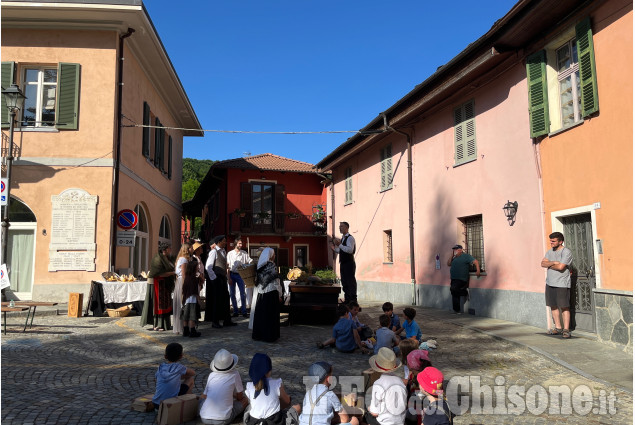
x: 383, y: 170
x: 586, y: 60
x: 169, y: 157
x: 157, y: 142
x: 145, y: 147
x: 538, y: 104
x: 459, y: 133
x: 246, y: 205
x: 388, y: 161
x: 278, y: 219
x: 162, y: 150
x: 470, y: 130
x: 348, y: 186
x: 67, y: 105
x: 7, y: 77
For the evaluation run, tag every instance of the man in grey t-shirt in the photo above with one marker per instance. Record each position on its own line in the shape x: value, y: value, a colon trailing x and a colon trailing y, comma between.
x: 557, y: 261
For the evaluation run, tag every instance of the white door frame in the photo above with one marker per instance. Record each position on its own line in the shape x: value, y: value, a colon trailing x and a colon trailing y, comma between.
x: 558, y: 226
x: 16, y: 225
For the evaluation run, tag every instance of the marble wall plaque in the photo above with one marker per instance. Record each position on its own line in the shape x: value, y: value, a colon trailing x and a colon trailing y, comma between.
x: 73, y: 222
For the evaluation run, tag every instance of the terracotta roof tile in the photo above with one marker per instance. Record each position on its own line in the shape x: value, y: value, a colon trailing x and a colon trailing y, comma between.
x: 267, y: 161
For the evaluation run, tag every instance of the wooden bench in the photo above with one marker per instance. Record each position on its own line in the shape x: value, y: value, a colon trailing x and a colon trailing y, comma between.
x: 6, y: 309
x: 28, y: 305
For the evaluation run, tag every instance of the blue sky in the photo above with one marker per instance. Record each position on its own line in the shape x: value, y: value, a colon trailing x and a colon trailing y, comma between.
x: 306, y: 65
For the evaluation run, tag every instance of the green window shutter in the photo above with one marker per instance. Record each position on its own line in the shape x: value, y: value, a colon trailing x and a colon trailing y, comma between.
x: 464, y: 133
x: 588, y: 80
x: 169, y: 157
x: 459, y: 135
x: 67, y: 105
x: 157, y: 142
x: 470, y: 130
x: 145, y: 148
x: 388, y: 159
x: 538, y: 103
x: 7, y: 71
x: 162, y: 151
x: 382, y: 157
x: 348, y: 186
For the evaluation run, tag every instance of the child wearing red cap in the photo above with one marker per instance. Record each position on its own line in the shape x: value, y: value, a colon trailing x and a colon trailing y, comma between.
x: 431, y: 385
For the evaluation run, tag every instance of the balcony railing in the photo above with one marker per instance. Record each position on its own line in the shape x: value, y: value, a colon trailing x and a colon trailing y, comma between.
x: 278, y: 223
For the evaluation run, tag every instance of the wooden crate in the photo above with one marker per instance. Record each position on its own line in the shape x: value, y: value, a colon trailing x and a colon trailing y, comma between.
x: 75, y: 303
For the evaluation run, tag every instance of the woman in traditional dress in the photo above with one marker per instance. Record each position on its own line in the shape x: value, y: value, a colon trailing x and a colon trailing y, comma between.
x: 266, y: 313
x: 162, y: 272
x: 182, y: 259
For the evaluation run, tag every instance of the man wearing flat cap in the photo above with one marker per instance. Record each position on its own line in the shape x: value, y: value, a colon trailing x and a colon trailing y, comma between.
x: 459, y: 264
x: 217, y: 294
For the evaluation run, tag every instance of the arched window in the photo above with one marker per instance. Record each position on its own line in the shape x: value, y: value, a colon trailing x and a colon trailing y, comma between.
x: 165, y: 233
x: 21, y: 248
x: 139, y: 255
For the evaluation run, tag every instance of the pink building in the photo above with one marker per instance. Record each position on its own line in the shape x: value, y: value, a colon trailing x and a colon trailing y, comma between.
x: 436, y: 169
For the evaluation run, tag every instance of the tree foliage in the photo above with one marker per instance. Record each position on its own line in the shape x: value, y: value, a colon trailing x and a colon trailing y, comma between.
x: 194, y: 171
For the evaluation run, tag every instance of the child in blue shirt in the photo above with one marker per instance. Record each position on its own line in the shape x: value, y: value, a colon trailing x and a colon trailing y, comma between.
x: 170, y: 374
x: 353, y: 310
x: 345, y: 336
x: 385, y: 336
x: 409, y: 324
x: 394, y: 319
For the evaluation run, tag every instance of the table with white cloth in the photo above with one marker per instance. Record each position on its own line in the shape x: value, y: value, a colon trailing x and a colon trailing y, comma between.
x: 106, y: 294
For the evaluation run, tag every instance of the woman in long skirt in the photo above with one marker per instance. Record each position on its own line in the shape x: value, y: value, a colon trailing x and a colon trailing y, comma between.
x: 181, y: 261
x: 266, y: 318
x: 162, y: 272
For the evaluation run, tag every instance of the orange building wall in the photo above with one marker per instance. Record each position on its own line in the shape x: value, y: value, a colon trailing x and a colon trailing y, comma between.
x: 593, y: 161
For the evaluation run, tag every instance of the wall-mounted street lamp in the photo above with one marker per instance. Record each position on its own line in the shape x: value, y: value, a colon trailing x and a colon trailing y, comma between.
x: 510, y: 209
x: 14, y: 99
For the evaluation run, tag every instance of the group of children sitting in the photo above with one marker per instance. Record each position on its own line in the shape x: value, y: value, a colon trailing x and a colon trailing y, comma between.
x: 350, y: 334
x: 415, y: 398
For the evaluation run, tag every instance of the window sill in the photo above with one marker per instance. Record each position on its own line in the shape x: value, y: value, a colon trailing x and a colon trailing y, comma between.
x: 385, y: 190
x: 463, y: 163
x: 563, y: 129
x: 388, y: 263
x: 348, y: 203
x: 36, y: 129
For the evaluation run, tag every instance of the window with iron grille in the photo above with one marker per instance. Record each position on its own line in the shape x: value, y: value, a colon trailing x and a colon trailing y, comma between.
x: 473, y: 233
x: 387, y: 246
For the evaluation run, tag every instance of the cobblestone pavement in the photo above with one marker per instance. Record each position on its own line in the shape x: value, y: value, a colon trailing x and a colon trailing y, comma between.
x: 88, y: 370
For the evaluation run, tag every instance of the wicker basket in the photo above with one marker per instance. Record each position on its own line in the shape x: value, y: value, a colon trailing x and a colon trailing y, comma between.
x: 107, y: 275
x: 248, y: 275
x: 119, y: 312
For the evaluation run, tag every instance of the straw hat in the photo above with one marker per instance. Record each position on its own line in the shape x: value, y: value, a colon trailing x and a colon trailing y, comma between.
x: 224, y: 361
x: 196, y: 246
x: 384, y: 361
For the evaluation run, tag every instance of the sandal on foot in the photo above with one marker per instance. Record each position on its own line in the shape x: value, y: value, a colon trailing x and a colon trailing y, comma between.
x: 566, y: 333
x: 554, y: 331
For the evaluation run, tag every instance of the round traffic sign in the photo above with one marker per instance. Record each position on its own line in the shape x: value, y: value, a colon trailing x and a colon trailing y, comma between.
x: 2, y: 186
x: 127, y: 219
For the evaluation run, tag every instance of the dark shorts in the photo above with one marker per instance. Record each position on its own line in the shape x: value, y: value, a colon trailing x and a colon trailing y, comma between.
x: 183, y: 390
x: 557, y: 297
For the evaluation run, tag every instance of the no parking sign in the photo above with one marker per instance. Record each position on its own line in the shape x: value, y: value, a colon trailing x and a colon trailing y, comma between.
x: 4, y: 183
x: 4, y: 277
x: 127, y: 219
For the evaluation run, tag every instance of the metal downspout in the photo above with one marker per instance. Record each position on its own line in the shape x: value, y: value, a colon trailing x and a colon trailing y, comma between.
x: 115, y: 195
x: 411, y: 231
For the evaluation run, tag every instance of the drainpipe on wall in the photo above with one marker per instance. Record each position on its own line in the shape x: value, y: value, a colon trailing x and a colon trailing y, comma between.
x: 115, y: 191
x: 411, y: 231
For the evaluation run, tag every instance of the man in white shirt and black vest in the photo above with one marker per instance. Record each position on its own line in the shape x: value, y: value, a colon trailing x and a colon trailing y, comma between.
x: 346, y: 250
x: 217, y: 294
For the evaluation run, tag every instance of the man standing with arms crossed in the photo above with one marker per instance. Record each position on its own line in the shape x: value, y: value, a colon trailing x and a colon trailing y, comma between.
x: 346, y: 249
x: 236, y: 258
x: 557, y: 261
x: 459, y: 264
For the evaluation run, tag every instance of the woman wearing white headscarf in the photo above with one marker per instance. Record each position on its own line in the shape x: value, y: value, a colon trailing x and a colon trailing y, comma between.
x: 266, y: 313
